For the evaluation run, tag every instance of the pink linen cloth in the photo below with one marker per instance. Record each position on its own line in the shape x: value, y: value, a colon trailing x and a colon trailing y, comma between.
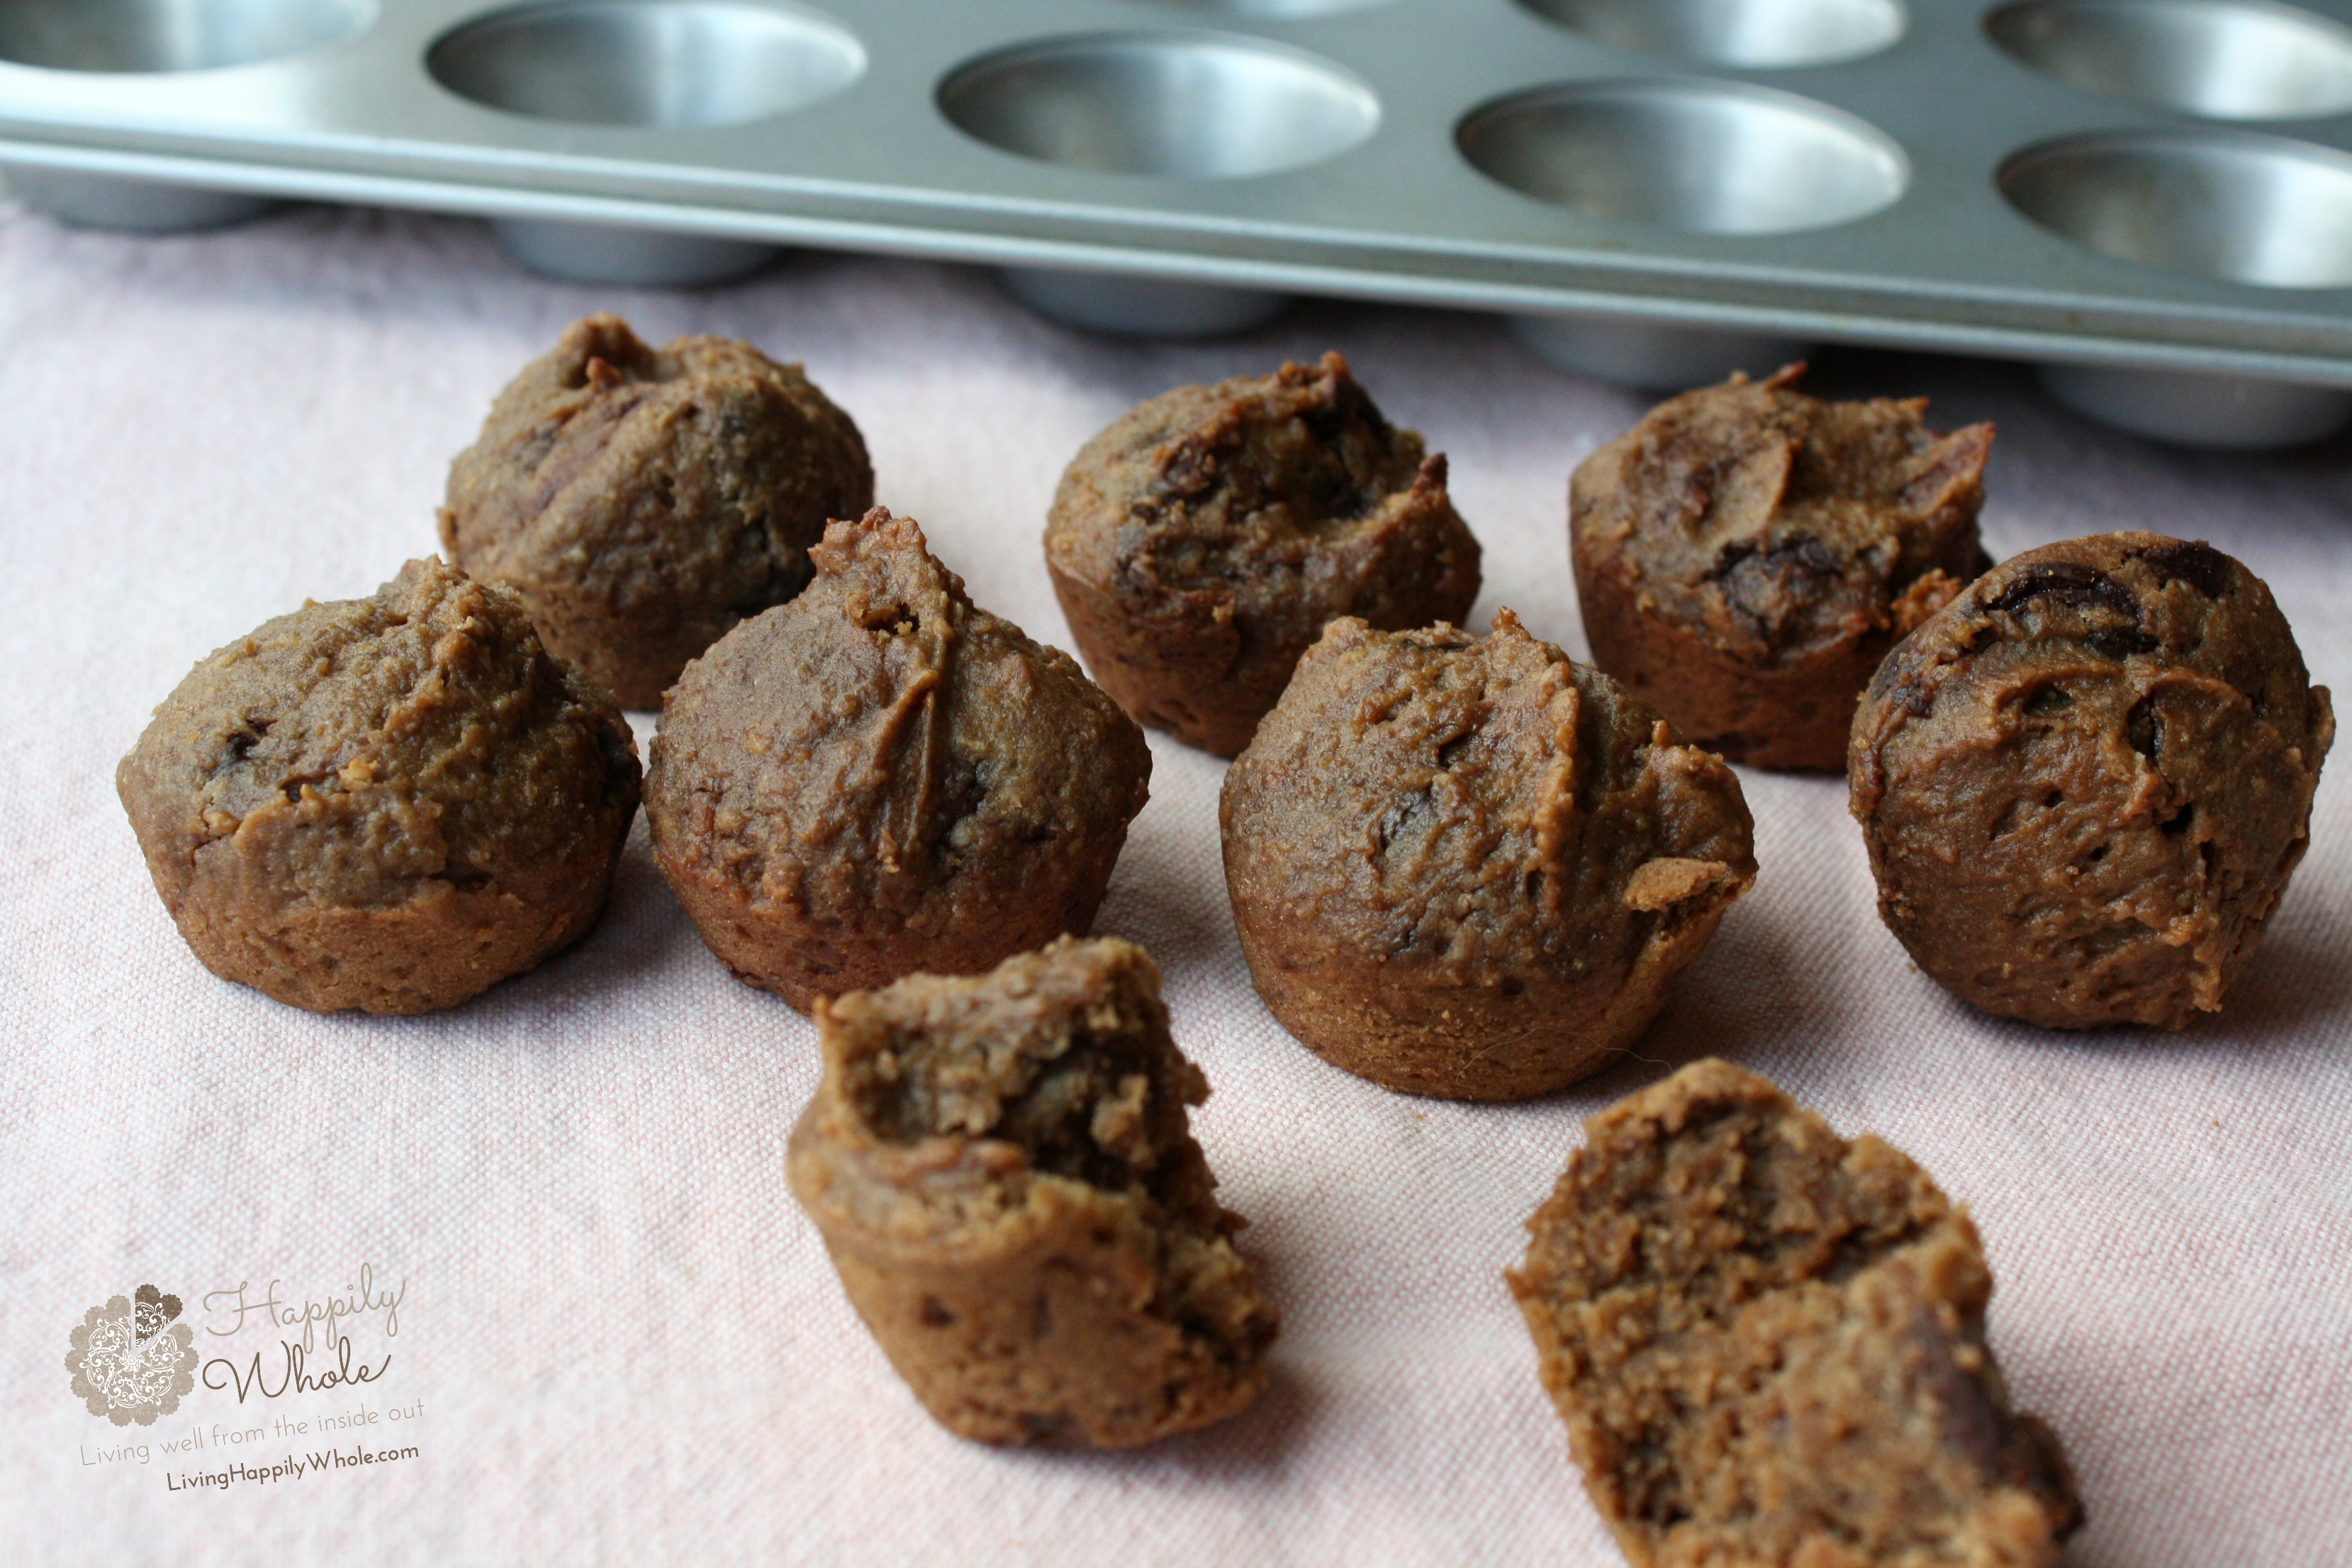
x: 617, y: 1338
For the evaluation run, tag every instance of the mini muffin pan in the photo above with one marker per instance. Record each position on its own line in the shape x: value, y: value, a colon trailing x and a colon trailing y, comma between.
x: 2152, y: 197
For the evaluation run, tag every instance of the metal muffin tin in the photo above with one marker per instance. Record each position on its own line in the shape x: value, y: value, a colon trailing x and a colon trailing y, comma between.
x: 2154, y: 197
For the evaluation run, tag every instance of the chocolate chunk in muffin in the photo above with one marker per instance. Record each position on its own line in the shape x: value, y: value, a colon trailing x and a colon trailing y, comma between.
x: 1471, y: 868
x: 1200, y: 545
x: 879, y: 778
x: 386, y: 803
x: 2085, y: 781
x: 643, y: 501
x: 1003, y: 1172
x: 1746, y: 554
x: 1768, y: 1345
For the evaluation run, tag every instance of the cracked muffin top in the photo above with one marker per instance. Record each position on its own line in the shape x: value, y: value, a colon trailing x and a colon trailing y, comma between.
x: 1772, y: 524
x: 881, y: 778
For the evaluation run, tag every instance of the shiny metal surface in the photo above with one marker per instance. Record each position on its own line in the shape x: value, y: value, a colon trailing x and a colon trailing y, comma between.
x: 1695, y: 156
x: 2225, y: 59
x: 667, y: 64
x: 1271, y: 10
x: 2232, y: 205
x: 170, y: 35
x: 1754, y: 34
x: 1187, y: 105
x: 143, y: 206
x: 2228, y: 412
x: 1140, y: 307
x: 1652, y: 356
x: 1640, y: 179
x: 643, y: 257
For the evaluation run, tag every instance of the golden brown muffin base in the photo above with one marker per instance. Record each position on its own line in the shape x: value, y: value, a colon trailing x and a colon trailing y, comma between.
x: 1746, y: 554
x: 1199, y: 545
x: 2085, y: 782
x: 387, y: 803
x: 1768, y: 1345
x: 1002, y: 1174
x: 1470, y: 868
x: 880, y: 779
x: 643, y: 501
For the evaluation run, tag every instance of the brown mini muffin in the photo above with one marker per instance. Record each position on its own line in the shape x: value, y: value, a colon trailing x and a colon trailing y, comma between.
x: 1768, y: 1345
x: 1002, y: 1173
x: 2085, y: 781
x: 643, y: 501
x: 1471, y: 868
x: 1746, y: 554
x: 387, y: 803
x: 879, y: 778
x: 1199, y: 545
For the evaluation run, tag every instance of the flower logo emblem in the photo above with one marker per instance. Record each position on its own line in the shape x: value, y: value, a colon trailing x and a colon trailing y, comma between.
x: 130, y: 1361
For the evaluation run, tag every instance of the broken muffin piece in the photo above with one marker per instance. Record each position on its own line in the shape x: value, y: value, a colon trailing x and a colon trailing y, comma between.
x: 1002, y: 1173
x: 1768, y: 1345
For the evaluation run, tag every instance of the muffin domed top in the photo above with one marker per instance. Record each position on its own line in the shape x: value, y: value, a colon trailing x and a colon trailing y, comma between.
x: 881, y: 742
x: 1482, y: 805
x: 1776, y: 524
x: 361, y: 750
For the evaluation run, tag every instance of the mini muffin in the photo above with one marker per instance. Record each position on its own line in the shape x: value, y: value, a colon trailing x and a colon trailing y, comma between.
x: 387, y: 803
x: 879, y: 778
x: 1471, y: 868
x: 1001, y: 1170
x: 1200, y: 545
x: 643, y: 501
x: 1746, y: 554
x: 2085, y: 781
x: 1768, y: 1345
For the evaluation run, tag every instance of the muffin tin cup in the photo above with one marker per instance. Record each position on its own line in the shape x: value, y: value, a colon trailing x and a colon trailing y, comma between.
x: 2192, y: 408
x: 637, y: 258
x: 1140, y: 307
x: 2223, y: 59
x: 162, y: 37
x: 1655, y: 356
x: 1655, y: 191
x: 140, y: 206
x: 1749, y: 35
x: 676, y: 65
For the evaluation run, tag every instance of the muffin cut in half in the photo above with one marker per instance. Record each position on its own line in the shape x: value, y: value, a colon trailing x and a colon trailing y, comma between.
x: 1768, y: 1345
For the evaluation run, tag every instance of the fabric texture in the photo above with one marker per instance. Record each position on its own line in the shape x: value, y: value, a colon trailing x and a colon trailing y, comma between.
x: 619, y: 1340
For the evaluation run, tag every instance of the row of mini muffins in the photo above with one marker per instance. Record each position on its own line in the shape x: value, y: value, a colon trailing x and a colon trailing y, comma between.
x: 2085, y: 775
x: 1766, y: 1342
x: 1434, y: 903
x: 1745, y: 556
x: 391, y: 803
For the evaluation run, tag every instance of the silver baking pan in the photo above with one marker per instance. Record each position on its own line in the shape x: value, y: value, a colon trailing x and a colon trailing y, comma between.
x: 2151, y: 197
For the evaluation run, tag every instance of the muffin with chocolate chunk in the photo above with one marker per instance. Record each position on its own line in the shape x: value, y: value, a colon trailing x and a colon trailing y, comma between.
x: 1746, y: 554
x: 2085, y: 781
x: 1469, y: 866
x: 1769, y: 1344
x: 881, y: 778
x: 1002, y: 1173
x: 1200, y: 545
x: 643, y: 501
x: 386, y: 803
